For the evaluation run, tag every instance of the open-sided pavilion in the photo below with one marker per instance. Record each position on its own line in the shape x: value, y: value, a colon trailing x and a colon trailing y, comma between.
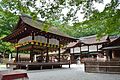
x: 31, y: 35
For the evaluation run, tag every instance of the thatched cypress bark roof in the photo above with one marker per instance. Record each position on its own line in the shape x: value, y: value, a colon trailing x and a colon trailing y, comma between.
x: 19, y: 32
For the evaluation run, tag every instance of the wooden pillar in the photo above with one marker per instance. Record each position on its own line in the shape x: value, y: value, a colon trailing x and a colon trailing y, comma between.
x: 107, y: 56
x: 80, y: 49
x: 72, y: 57
x: 88, y: 48
x: 88, y: 51
x: 97, y: 47
x: 110, y: 54
x: 31, y: 52
x: 47, y: 56
x: 42, y: 57
x: 80, y: 52
x: 113, y: 54
x: 31, y: 56
x: 73, y: 50
x: 17, y: 55
x: 59, y: 52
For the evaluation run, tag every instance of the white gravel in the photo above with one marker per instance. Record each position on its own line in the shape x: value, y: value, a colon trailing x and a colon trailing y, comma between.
x: 76, y: 72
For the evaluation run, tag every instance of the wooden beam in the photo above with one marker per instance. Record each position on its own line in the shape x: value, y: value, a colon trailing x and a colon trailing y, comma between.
x: 17, y: 52
x: 73, y: 50
x: 14, y: 34
x: 42, y: 57
x: 47, y: 56
x: 88, y: 49
x: 31, y: 55
x: 31, y: 51
x: 80, y: 49
x: 17, y: 55
x: 59, y: 52
x: 97, y: 47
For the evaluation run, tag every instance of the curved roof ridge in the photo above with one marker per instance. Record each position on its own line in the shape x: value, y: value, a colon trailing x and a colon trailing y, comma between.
x: 39, y: 25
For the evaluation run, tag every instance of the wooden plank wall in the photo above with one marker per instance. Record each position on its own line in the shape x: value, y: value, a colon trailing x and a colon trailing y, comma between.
x: 104, y: 67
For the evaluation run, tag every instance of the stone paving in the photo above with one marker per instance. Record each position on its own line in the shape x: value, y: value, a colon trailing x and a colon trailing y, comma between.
x: 74, y: 73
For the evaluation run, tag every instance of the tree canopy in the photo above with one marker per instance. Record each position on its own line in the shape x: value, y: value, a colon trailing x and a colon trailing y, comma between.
x: 106, y: 22
x: 7, y: 24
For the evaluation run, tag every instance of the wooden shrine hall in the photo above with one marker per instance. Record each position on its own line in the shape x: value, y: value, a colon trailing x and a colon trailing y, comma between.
x: 31, y: 36
x: 112, y: 62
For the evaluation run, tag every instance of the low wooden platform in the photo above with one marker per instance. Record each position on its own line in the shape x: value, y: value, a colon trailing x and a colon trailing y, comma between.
x: 102, y: 67
x: 13, y: 75
x: 36, y: 66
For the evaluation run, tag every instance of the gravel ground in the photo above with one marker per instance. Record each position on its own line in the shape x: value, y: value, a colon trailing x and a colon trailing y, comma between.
x: 74, y: 73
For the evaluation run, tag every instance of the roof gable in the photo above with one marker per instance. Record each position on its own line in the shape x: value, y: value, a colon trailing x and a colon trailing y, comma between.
x: 93, y: 39
x: 40, y: 25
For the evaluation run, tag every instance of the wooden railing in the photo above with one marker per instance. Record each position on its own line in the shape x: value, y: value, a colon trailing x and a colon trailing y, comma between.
x: 105, y: 67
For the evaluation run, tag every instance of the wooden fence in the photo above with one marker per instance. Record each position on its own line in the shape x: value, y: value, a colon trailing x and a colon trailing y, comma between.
x: 102, y: 67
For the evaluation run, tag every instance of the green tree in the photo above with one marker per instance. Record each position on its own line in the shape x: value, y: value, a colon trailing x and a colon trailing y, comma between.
x: 50, y: 9
x: 104, y: 23
x: 7, y: 24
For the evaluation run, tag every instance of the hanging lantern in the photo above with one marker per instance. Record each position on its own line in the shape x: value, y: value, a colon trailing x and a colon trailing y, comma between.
x: 24, y: 44
x: 61, y: 45
x: 51, y: 45
x: 18, y: 45
x: 48, y: 45
x: 36, y: 43
x: 40, y: 44
x: 54, y: 46
x: 44, y: 44
x: 32, y: 42
x: 27, y: 42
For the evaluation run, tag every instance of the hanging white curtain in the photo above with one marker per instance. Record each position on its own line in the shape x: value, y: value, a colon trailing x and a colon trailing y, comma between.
x: 26, y: 39
x: 41, y: 39
x: 53, y: 41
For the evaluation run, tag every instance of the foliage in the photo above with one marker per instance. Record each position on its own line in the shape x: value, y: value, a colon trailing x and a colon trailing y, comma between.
x: 104, y: 23
x: 7, y: 24
x: 50, y: 9
x: 76, y: 31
